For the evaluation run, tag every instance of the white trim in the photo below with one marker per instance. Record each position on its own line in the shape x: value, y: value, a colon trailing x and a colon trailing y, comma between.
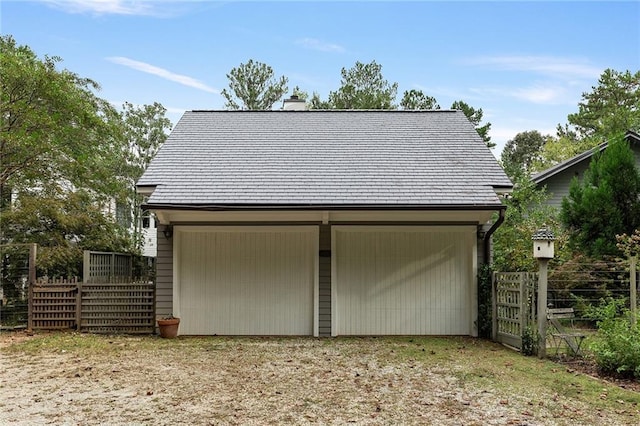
x: 146, y: 190
x: 324, y: 216
x: 394, y: 228
x: 176, y: 250
x: 334, y: 311
x: 474, y: 289
x: 244, y: 228
x: 162, y: 217
x: 316, y: 283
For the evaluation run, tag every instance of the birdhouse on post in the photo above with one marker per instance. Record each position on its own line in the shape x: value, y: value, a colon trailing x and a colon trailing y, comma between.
x: 543, y: 251
x: 543, y: 243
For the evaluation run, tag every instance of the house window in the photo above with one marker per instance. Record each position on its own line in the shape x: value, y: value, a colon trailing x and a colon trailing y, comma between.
x: 149, y: 221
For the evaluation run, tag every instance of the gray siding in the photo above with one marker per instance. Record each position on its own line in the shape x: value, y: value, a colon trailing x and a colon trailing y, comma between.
x: 558, y: 185
x: 324, y: 321
x: 164, y: 275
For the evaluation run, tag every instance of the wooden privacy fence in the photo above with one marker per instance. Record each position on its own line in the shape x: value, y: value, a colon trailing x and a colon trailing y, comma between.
x: 94, y: 307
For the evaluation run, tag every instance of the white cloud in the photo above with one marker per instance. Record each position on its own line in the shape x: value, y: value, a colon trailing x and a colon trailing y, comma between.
x: 549, y: 65
x: 539, y: 93
x: 315, y: 44
x: 106, y: 7
x: 162, y: 73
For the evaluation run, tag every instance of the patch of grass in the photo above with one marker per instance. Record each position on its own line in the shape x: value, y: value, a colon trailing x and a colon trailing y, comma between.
x: 489, y: 365
x: 473, y: 362
x: 62, y: 342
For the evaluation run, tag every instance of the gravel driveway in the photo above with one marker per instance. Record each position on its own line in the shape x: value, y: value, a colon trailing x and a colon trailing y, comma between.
x: 128, y: 380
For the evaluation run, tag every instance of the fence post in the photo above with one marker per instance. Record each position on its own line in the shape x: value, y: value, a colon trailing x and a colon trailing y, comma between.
x: 542, y: 307
x: 30, y: 307
x: 522, y: 316
x: 78, y: 304
x: 633, y: 289
x: 112, y: 268
x: 86, y: 269
x: 494, y: 307
x: 33, y: 251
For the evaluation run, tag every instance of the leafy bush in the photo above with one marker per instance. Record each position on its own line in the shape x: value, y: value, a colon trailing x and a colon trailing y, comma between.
x: 14, y: 313
x: 485, y: 306
x: 617, y: 347
x: 529, y: 341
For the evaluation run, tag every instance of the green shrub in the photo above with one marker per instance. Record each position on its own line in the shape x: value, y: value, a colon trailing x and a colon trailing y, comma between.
x: 529, y: 341
x: 485, y: 306
x: 617, y: 346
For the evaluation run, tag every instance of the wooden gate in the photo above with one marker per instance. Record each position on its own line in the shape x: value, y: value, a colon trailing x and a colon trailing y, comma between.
x: 514, y: 306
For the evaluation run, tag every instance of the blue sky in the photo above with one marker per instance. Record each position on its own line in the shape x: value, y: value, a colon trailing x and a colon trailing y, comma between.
x: 525, y: 64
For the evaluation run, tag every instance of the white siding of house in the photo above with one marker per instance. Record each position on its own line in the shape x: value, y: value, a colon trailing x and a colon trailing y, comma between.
x: 150, y: 237
x: 404, y: 280
x: 247, y: 280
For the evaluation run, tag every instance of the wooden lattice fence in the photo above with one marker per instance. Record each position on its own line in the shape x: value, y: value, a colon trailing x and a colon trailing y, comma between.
x: 53, y: 304
x: 95, y: 307
x: 514, y: 306
x: 106, y: 267
x: 117, y: 307
x: 108, y: 301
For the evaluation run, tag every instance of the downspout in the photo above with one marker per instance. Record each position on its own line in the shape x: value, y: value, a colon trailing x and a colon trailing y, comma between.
x: 487, y: 235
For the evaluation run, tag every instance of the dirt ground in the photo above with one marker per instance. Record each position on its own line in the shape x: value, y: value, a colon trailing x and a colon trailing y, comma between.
x: 147, y: 380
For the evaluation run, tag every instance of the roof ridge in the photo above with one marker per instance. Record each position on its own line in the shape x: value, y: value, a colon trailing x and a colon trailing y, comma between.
x: 412, y: 111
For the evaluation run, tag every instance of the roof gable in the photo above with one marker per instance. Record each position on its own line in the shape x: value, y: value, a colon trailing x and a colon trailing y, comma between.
x: 324, y: 158
x: 544, y: 175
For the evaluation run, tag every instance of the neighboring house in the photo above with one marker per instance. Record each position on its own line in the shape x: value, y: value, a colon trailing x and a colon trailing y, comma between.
x: 121, y: 213
x: 322, y: 222
x: 557, y: 179
x: 149, y: 235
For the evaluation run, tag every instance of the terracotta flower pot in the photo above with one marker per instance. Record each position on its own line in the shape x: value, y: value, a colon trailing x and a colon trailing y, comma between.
x: 168, y: 327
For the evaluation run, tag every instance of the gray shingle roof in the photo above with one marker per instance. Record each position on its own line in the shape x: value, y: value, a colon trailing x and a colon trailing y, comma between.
x: 324, y: 158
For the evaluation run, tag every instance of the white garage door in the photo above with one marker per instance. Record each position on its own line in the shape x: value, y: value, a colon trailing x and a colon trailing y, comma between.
x: 403, y: 280
x: 246, y: 280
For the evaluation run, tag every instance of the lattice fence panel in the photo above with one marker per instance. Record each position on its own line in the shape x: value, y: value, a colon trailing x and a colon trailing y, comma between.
x: 515, y: 307
x: 118, y: 307
x: 101, y: 267
x: 53, y: 304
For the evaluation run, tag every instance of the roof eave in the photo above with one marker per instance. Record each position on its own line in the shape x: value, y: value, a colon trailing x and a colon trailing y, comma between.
x: 558, y: 168
x: 145, y: 189
x: 297, y: 207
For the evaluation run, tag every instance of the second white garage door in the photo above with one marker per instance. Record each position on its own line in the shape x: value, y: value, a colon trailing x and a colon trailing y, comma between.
x: 246, y: 280
x: 403, y: 280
